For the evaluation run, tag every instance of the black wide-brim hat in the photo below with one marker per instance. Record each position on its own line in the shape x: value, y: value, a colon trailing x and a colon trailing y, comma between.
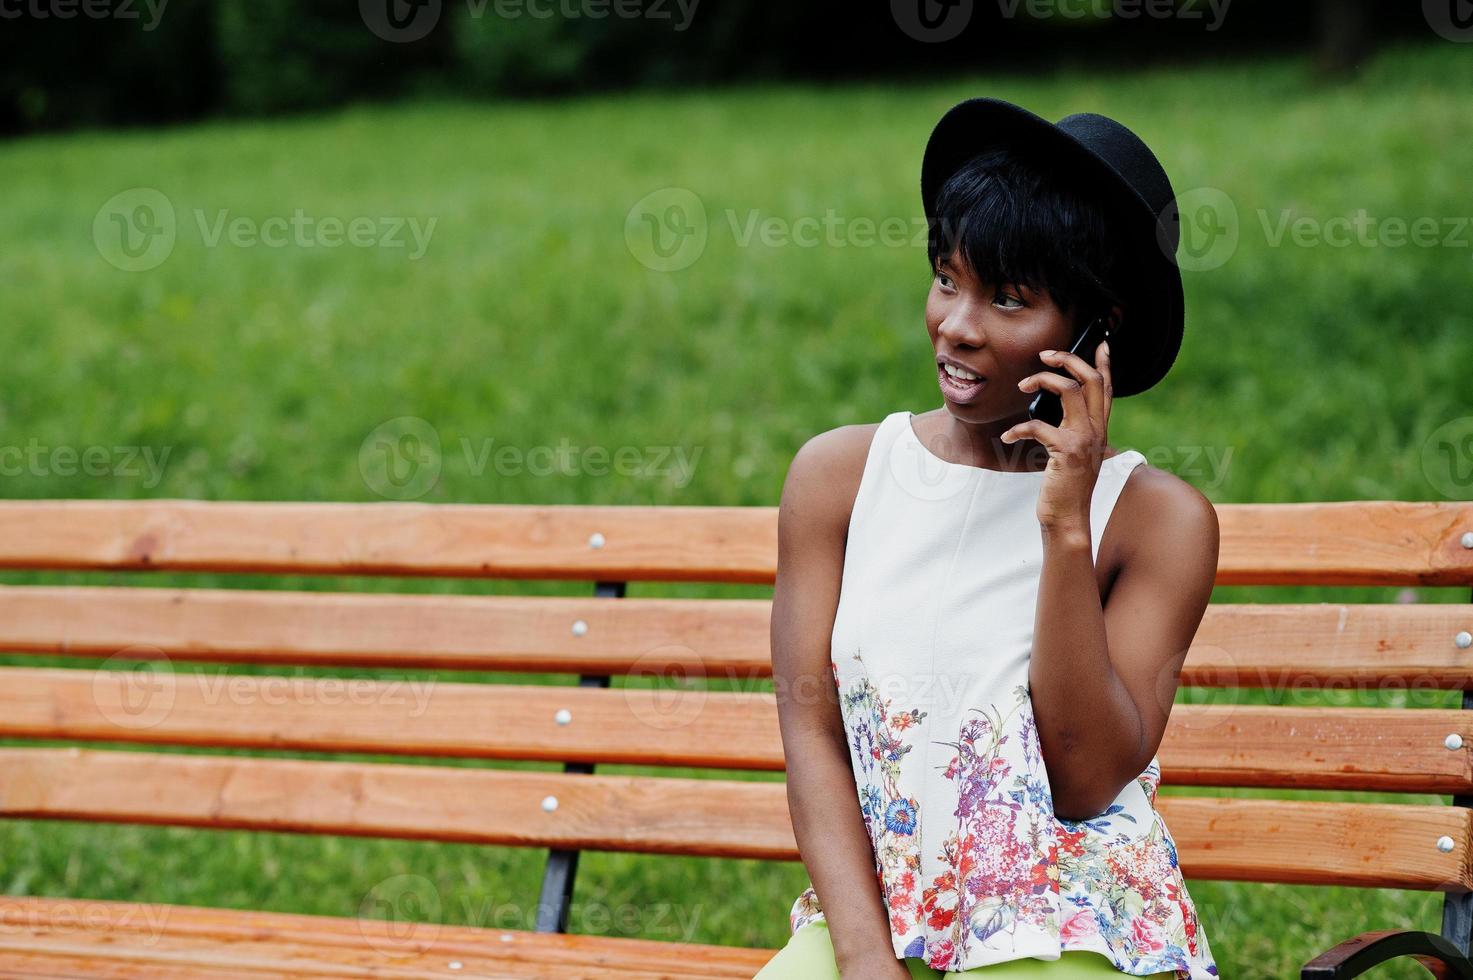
x: 1117, y: 168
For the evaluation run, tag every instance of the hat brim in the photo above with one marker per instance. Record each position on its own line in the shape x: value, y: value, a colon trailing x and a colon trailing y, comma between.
x: 1141, y: 355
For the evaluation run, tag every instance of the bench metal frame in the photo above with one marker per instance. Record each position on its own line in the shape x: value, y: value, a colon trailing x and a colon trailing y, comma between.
x: 562, y: 863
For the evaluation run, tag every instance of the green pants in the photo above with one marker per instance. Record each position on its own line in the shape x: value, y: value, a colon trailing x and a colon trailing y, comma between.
x: 809, y: 955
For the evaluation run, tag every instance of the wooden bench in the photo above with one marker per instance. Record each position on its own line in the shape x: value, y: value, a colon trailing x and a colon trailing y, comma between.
x: 1370, y: 646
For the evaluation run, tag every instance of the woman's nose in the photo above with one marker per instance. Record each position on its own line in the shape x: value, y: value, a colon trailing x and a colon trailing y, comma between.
x: 962, y: 330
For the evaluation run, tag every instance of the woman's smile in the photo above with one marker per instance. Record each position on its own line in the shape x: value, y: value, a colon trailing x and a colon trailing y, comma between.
x: 962, y: 391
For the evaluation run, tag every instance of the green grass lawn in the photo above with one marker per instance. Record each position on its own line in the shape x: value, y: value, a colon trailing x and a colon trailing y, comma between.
x: 253, y: 372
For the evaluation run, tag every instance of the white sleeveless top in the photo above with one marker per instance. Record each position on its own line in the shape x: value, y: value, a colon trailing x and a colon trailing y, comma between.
x: 930, y: 651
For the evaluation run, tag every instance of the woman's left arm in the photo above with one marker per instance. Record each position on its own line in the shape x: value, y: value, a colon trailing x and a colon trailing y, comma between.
x: 1103, y: 680
x: 1103, y: 677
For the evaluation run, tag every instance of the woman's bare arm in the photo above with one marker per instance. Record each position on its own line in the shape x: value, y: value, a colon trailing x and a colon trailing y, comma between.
x: 1103, y: 676
x: 813, y: 522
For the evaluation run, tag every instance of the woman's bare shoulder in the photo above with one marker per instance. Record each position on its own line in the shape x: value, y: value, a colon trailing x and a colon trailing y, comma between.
x: 827, y: 469
x: 1158, y: 506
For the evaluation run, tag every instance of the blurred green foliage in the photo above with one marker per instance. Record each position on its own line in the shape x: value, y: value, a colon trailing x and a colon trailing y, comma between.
x: 142, y: 61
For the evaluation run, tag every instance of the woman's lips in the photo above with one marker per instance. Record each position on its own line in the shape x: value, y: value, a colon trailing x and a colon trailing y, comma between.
x: 957, y: 390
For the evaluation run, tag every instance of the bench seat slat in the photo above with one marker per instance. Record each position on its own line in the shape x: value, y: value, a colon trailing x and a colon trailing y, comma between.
x: 118, y: 939
x: 1247, y: 645
x: 1293, y: 841
x: 399, y: 937
x: 31, y: 963
x: 1387, y: 749
x: 1342, y: 543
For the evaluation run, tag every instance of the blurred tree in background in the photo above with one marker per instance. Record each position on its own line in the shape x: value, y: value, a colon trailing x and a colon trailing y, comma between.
x: 151, y: 61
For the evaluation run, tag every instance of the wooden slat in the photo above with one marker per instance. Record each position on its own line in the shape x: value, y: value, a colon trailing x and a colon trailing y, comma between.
x: 711, y: 544
x: 1392, y: 750
x: 1372, y: 845
x: 119, y: 939
x: 1345, y: 543
x: 25, y: 963
x: 1290, y: 841
x: 1382, y: 749
x: 1303, y: 648
x: 635, y: 725
x: 1342, y: 543
x: 83, y: 954
x: 717, y: 818
x: 1296, y: 647
x: 128, y: 923
x: 726, y: 637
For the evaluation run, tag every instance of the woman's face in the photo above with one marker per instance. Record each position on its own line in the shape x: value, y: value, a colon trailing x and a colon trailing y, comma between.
x: 996, y: 331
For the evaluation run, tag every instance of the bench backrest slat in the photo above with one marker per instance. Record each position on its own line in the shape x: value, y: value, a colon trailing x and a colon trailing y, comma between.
x: 1338, y: 543
x: 1322, y: 645
x: 626, y: 543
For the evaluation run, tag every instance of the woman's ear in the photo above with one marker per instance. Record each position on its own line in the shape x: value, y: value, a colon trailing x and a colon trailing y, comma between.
x: 1116, y: 315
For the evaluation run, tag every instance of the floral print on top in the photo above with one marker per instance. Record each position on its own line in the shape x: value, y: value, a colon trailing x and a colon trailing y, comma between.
x: 1013, y: 861
x: 973, y: 864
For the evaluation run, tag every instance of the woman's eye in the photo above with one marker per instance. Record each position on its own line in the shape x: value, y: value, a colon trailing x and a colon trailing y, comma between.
x: 1002, y: 299
x: 945, y: 281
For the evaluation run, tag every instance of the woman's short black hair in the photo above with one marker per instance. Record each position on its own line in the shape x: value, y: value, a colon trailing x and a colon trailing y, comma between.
x: 1014, y: 218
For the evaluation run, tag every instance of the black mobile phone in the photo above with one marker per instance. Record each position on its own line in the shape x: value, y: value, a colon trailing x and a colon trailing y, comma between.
x: 1046, y: 405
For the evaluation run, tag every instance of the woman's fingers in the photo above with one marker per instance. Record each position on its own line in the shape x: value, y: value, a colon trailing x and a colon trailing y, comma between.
x: 1090, y: 380
x: 1070, y: 391
x: 1035, y: 429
